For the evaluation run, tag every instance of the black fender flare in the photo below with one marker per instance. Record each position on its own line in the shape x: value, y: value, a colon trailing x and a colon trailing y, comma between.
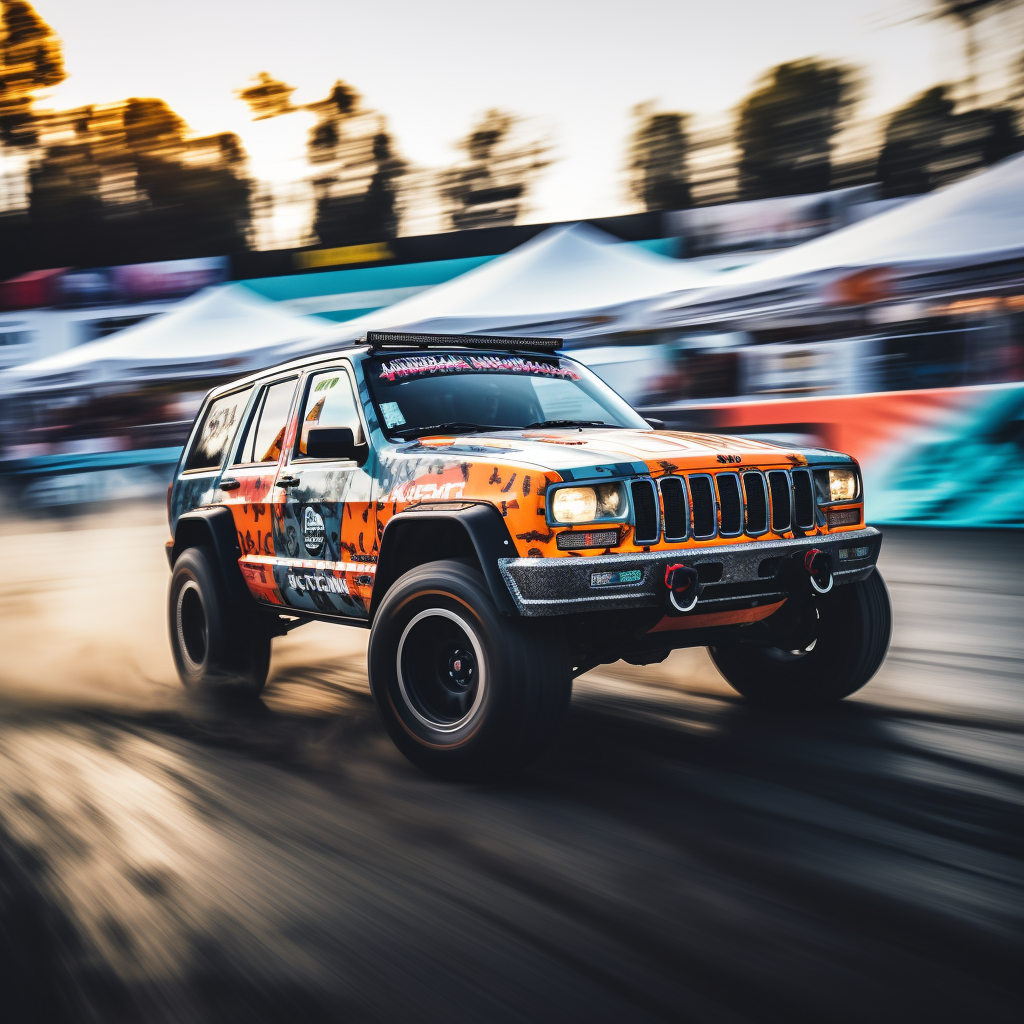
x: 483, y: 525
x: 214, y: 528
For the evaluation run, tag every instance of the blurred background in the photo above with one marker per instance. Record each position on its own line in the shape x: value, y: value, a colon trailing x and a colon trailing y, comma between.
x: 798, y: 221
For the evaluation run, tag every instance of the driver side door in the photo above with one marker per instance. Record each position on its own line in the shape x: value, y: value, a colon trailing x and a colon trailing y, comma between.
x: 326, y: 535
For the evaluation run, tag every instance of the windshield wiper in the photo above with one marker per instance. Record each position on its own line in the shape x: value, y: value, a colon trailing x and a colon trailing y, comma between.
x: 443, y: 428
x: 569, y: 423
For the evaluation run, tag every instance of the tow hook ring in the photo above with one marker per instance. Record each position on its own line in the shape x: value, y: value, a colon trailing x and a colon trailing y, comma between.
x: 818, y: 565
x: 681, y: 582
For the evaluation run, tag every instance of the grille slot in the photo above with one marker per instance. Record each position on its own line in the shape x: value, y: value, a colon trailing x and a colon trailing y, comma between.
x: 673, y: 497
x: 702, y: 498
x: 778, y: 485
x: 730, y: 505
x: 803, y: 499
x: 645, y: 512
x: 756, y: 503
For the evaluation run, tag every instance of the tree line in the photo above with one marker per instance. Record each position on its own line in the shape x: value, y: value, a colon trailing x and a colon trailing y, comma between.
x: 128, y: 182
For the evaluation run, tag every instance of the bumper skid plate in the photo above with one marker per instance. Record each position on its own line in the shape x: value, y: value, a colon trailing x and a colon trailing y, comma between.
x: 721, y: 576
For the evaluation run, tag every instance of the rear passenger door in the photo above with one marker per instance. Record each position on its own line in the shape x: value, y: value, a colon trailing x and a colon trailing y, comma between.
x: 199, y: 476
x: 247, y: 484
x: 326, y: 543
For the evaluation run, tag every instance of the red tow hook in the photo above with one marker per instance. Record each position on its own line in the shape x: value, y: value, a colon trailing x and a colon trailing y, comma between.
x: 819, y: 568
x: 682, y: 587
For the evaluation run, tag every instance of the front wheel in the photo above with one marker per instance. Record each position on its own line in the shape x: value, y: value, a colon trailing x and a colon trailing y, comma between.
x: 215, y: 646
x: 464, y: 692
x: 842, y: 650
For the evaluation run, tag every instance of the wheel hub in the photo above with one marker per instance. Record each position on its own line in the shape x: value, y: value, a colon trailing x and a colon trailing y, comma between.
x: 461, y: 669
x: 440, y: 669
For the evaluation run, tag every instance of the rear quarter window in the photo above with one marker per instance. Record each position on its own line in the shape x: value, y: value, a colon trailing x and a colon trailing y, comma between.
x: 219, y: 424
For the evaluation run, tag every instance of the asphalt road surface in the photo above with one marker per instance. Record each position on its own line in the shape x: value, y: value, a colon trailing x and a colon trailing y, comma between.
x: 678, y: 856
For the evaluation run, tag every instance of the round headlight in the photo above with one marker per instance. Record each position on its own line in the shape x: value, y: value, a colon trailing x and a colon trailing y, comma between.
x: 574, y: 505
x: 842, y: 484
x: 609, y: 499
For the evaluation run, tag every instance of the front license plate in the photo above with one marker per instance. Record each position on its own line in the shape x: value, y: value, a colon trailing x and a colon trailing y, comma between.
x: 616, y: 579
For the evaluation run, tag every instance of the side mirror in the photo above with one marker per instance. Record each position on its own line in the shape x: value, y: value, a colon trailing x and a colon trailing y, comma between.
x: 654, y: 422
x: 334, y: 443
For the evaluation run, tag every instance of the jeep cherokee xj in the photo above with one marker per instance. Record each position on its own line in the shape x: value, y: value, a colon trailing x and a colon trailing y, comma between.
x: 502, y: 521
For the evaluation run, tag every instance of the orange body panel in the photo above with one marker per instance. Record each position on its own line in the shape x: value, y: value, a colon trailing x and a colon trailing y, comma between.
x: 731, y: 618
x: 517, y: 488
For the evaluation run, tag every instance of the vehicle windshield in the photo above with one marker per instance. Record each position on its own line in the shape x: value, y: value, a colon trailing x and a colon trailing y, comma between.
x: 467, y: 392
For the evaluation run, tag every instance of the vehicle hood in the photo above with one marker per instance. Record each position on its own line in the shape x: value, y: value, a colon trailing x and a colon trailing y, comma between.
x: 569, y: 451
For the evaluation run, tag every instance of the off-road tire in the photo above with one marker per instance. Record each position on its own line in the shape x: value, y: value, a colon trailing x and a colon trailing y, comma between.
x: 216, y: 648
x: 852, y: 639
x: 505, y: 707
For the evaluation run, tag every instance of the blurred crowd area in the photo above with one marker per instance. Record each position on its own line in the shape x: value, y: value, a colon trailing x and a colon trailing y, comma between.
x: 945, y: 345
x: 116, y: 218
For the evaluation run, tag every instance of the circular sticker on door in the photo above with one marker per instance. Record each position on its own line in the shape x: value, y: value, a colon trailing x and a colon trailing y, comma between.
x: 313, y: 532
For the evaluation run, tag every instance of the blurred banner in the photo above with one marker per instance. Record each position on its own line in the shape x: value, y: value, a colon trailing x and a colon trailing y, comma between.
x: 140, y: 282
x: 767, y: 223
x: 137, y: 282
x: 951, y: 457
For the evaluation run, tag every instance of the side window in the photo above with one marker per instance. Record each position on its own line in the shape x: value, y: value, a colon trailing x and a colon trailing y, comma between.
x: 218, y: 428
x: 265, y: 434
x: 330, y: 403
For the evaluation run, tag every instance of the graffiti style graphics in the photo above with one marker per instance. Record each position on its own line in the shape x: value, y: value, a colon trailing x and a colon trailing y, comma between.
x: 418, y: 366
x: 321, y: 583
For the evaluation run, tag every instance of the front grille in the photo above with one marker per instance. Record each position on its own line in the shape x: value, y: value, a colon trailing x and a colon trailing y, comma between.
x: 803, y: 499
x: 645, y: 512
x: 756, y: 503
x: 702, y: 497
x: 778, y: 485
x: 673, y: 497
x: 730, y: 507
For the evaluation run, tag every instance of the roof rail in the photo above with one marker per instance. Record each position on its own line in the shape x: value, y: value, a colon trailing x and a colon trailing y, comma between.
x: 398, y: 339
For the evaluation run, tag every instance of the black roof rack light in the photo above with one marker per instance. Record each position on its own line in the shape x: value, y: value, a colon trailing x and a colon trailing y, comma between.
x: 399, y: 339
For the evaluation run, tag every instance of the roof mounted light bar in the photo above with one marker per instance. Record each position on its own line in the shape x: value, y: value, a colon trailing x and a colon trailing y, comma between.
x: 397, y: 339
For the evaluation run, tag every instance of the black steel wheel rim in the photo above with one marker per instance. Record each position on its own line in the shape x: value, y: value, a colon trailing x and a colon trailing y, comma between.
x: 441, y: 671
x: 193, y: 630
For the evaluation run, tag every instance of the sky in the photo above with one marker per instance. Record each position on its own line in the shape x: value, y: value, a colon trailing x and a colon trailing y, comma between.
x: 576, y: 69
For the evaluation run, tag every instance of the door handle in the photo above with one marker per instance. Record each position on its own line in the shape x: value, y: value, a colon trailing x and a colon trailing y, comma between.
x: 229, y: 484
x: 288, y: 481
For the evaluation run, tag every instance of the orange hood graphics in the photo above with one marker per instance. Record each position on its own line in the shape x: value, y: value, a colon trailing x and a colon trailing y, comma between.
x: 558, y: 450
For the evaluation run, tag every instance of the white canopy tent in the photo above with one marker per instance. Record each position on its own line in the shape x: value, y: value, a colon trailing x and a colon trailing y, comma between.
x: 574, y: 282
x: 221, y: 330
x: 571, y: 281
x: 978, y: 220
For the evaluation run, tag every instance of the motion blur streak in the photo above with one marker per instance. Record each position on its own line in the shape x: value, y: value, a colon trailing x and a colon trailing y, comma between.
x: 677, y: 856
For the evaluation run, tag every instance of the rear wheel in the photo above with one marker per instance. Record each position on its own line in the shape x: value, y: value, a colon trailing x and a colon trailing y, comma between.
x: 838, y: 651
x: 215, y: 647
x: 464, y: 692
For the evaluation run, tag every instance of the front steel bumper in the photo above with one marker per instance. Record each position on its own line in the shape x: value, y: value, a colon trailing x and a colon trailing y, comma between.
x: 737, y: 575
